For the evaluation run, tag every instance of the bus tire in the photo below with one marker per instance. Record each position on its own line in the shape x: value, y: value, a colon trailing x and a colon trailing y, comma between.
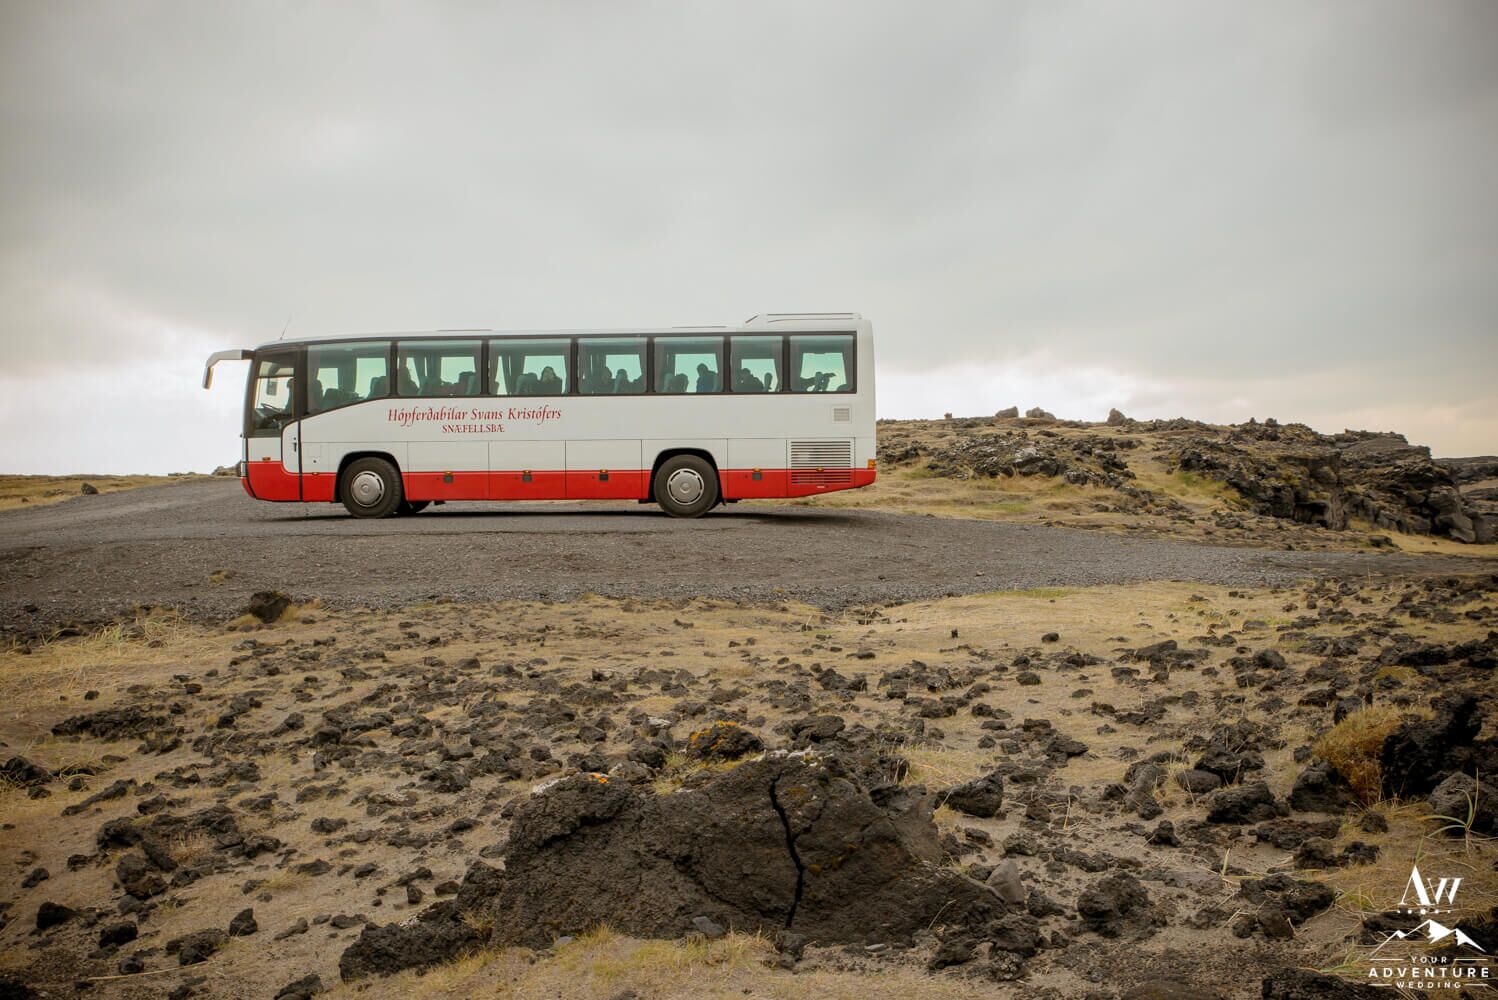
x: 371, y: 487
x: 412, y: 507
x: 685, y: 486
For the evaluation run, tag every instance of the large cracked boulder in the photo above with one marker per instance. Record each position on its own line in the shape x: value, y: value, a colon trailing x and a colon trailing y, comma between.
x: 782, y: 843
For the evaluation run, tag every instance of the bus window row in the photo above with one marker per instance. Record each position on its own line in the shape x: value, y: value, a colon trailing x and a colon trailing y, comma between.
x: 351, y: 372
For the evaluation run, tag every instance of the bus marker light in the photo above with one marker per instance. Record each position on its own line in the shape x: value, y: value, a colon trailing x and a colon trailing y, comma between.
x: 871, y: 463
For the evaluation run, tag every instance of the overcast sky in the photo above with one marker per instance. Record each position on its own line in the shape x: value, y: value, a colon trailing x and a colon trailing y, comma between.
x: 1210, y: 209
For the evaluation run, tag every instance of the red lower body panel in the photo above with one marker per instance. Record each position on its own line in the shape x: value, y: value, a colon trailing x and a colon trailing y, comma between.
x: 319, y: 486
x: 271, y: 481
x: 747, y: 484
x: 527, y: 486
x: 609, y: 485
x: 446, y: 485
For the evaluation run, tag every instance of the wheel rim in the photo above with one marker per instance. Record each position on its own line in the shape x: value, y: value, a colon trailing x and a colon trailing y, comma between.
x: 685, y: 486
x: 367, y: 488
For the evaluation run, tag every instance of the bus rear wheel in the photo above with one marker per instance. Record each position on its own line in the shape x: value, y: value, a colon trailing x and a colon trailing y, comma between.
x: 370, y: 487
x: 685, y: 486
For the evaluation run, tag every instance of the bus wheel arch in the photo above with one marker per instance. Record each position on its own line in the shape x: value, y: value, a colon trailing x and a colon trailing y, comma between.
x: 685, y: 482
x: 370, y: 485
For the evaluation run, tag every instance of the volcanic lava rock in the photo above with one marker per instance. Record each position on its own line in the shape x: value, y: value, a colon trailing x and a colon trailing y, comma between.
x: 981, y: 797
x: 1250, y: 803
x: 1198, y: 782
x: 301, y: 989
x: 1280, y: 902
x: 243, y: 923
x: 1464, y: 805
x: 197, y: 947
x: 1321, y: 788
x: 1302, y: 984
x: 723, y: 741
x: 784, y: 843
x: 1115, y: 905
x: 119, y: 933
x: 50, y: 914
x: 267, y: 605
x: 12, y: 988
x: 440, y: 933
x: 1418, y: 755
x: 22, y: 772
x: 112, y: 724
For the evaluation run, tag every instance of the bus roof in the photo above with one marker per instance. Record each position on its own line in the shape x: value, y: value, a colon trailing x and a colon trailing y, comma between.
x: 803, y: 322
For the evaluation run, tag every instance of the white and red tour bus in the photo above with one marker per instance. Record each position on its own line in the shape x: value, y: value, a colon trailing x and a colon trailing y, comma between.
x: 782, y: 406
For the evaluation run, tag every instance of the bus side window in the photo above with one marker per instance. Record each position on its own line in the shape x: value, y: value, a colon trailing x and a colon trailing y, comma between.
x: 755, y: 363
x: 341, y: 374
x: 688, y: 364
x: 610, y: 365
x: 528, y: 367
x: 437, y: 367
x: 821, y: 362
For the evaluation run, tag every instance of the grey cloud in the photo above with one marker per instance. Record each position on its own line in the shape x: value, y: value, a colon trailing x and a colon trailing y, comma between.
x: 1184, y: 191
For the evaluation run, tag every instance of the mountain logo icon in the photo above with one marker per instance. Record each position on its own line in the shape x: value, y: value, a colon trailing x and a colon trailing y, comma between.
x: 1435, y: 932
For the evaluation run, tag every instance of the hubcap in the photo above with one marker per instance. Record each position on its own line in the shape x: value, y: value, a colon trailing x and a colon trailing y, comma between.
x: 367, y: 488
x: 685, y: 486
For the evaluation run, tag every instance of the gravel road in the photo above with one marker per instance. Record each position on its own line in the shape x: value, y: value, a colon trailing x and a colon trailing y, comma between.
x: 91, y: 557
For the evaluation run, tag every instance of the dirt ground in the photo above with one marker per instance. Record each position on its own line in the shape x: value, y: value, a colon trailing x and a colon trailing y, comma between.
x: 468, y: 707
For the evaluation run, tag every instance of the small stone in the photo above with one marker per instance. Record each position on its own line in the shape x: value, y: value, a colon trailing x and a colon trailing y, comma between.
x: 708, y: 927
x: 1006, y: 883
x: 982, y: 797
x: 50, y: 914
x: 1164, y: 835
x: 117, y: 934
x: 243, y: 924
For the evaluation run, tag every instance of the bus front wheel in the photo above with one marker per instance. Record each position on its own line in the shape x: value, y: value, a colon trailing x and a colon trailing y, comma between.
x: 371, y: 487
x: 686, y: 486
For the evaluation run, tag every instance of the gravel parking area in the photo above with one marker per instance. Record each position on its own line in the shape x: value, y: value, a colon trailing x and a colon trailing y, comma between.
x: 92, y: 557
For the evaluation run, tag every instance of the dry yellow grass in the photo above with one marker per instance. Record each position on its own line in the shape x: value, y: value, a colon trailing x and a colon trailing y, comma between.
x: 36, y: 491
x: 604, y: 963
x: 1353, y: 747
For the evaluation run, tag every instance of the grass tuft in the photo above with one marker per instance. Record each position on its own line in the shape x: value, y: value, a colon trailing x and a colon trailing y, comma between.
x: 1354, y: 745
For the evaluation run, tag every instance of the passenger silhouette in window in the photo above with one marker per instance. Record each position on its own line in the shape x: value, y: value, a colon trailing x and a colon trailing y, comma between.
x: 706, y: 380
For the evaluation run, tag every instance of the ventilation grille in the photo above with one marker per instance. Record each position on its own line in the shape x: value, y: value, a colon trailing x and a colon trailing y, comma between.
x: 842, y: 414
x: 816, y: 463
